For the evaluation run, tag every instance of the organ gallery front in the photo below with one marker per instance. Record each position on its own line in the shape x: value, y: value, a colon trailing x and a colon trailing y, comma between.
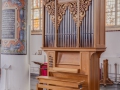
x: 73, y: 39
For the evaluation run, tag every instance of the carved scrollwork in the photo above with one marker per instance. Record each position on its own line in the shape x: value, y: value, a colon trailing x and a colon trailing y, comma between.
x: 83, y: 7
x: 61, y: 11
x: 51, y: 10
x: 73, y: 10
x: 45, y: 1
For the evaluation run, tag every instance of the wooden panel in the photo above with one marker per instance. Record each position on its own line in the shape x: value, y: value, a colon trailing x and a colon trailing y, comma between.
x: 60, y: 83
x: 96, y: 23
x: 73, y: 77
x: 50, y: 78
x: 84, y: 58
x: 68, y: 58
x: 69, y: 66
x: 67, y: 70
x: 55, y: 87
x: 56, y: 21
x: 93, y: 78
x: 102, y: 23
x: 68, y: 84
x: 99, y: 23
x: 74, y: 49
x: 51, y: 58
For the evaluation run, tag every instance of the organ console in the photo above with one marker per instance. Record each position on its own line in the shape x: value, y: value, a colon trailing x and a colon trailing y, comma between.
x: 73, y: 39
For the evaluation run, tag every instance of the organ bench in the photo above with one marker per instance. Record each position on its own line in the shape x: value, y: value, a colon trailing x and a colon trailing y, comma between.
x: 73, y: 39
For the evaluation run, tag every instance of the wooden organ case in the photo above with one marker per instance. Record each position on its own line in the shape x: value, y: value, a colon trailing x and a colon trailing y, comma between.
x: 73, y: 39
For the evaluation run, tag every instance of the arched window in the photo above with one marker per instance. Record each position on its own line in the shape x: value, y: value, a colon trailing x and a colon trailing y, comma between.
x: 36, y: 17
x: 113, y: 14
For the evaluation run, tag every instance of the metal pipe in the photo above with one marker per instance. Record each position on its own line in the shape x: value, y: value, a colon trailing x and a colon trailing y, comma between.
x: 82, y: 34
x: 50, y: 33
x: 73, y: 34
x: 89, y: 27
x: 47, y: 28
x: 92, y: 23
x: 68, y: 28
x: 63, y: 30
x: 59, y: 31
x: 61, y: 38
x: 53, y: 35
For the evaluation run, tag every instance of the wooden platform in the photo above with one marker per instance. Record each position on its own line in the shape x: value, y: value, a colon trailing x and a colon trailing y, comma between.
x: 58, y: 83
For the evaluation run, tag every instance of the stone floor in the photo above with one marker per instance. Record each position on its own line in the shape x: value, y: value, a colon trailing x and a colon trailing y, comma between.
x: 34, y: 82
x: 113, y: 87
x: 0, y: 82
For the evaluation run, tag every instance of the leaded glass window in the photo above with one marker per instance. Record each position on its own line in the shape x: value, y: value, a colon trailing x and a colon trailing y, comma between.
x: 112, y: 13
x: 36, y: 17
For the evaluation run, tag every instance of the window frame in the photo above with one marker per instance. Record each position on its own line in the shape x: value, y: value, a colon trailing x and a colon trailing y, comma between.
x: 33, y: 31
x: 114, y: 27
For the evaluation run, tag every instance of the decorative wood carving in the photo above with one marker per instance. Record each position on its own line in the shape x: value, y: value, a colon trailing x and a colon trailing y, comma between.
x: 61, y: 11
x: 45, y: 1
x: 83, y: 7
x: 51, y: 10
x: 73, y: 10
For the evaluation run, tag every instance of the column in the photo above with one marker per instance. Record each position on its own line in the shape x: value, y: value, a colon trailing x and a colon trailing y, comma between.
x: 14, y: 45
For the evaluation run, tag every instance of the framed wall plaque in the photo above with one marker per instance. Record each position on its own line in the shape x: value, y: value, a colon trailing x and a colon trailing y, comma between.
x: 14, y: 32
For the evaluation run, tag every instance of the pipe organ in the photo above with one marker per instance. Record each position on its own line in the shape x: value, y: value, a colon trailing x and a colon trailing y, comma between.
x: 73, y: 39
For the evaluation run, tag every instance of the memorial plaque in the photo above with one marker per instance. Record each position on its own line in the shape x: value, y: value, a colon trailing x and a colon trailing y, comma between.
x: 8, y: 24
x: 14, y: 22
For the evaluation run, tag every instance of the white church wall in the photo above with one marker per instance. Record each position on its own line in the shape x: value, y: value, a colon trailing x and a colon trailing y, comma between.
x: 0, y: 16
x: 36, y: 44
x: 112, y: 52
x: 0, y: 26
x: 18, y: 74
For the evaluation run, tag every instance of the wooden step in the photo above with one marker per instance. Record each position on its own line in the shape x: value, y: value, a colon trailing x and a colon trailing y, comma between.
x: 51, y: 87
x: 60, y: 82
x: 66, y: 70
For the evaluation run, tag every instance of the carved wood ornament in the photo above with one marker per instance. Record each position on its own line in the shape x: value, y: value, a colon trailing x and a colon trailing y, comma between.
x: 62, y: 7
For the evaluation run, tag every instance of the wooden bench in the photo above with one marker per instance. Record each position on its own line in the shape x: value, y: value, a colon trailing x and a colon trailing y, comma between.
x: 52, y: 83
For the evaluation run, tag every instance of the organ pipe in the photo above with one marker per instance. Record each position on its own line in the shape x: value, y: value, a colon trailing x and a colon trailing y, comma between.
x: 68, y: 31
